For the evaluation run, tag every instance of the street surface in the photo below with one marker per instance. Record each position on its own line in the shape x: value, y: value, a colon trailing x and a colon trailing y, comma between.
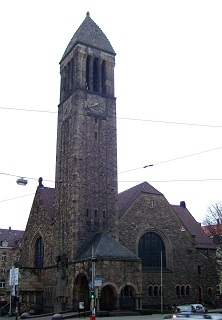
x: 133, y: 317
x: 146, y: 317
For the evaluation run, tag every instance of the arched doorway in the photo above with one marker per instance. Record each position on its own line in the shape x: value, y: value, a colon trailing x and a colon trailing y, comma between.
x: 108, y: 298
x: 81, y: 292
x: 128, y: 298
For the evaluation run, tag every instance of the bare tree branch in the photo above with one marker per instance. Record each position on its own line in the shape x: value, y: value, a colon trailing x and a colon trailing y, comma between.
x: 213, y: 219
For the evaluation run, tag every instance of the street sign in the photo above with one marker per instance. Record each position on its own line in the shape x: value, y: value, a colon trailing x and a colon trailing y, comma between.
x: 98, y: 283
x: 13, y: 276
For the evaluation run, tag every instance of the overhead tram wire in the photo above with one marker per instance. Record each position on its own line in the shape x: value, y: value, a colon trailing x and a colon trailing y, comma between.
x: 121, y: 181
x: 16, y: 176
x: 15, y: 198
x: 28, y: 110
x: 173, y: 122
x: 173, y: 180
x: 165, y: 161
x: 122, y: 118
x: 139, y: 168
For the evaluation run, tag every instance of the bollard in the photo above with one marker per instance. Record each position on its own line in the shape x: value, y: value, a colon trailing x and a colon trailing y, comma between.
x: 25, y: 315
x: 57, y: 316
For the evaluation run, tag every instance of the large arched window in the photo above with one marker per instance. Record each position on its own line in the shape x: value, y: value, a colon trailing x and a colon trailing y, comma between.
x: 39, y: 253
x: 150, y: 250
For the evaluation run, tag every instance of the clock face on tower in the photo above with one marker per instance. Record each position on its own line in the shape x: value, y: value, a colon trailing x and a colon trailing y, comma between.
x: 96, y: 105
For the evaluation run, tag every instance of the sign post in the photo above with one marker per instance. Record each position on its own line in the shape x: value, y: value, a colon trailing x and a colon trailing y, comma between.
x: 13, y: 282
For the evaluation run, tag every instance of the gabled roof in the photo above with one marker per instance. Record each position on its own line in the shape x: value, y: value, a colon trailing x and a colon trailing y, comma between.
x: 11, y: 236
x: 202, y: 241
x: 48, y: 197
x: 127, y: 197
x: 91, y: 35
x: 105, y: 247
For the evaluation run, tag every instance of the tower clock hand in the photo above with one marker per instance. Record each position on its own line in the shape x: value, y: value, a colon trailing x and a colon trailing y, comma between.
x: 94, y: 105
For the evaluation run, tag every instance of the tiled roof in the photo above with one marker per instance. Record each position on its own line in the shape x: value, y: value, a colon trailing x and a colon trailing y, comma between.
x: 207, y: 231
x: 91, y: 35
x: 202, y: 241
x: 105, y: 247
x: 127, y: 197
x: 11, y: 236
x: 103, y: 243
x: 212, y: 230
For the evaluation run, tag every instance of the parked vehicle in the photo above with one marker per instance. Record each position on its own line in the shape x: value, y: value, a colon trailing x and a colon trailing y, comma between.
x: 195, y: 316
x: 191, y: 308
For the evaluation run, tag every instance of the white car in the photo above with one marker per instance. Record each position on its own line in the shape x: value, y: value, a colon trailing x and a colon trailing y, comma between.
x: 191, y: 308
x: 195, y: 316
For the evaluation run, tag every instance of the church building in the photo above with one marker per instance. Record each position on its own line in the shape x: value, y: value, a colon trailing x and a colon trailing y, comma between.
x: 84, y: 240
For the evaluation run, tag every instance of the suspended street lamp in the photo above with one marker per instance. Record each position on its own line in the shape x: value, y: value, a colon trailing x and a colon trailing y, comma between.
x: 22, y: 181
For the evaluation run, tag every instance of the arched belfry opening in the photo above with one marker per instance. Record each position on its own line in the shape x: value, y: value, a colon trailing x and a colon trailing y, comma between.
x: 87, y: 73
x: 95, y: 76
x: 103, y: 77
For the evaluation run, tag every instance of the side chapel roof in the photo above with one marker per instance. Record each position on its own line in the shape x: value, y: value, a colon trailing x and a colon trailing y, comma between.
x: 105, y: 247
x: 90, y: 35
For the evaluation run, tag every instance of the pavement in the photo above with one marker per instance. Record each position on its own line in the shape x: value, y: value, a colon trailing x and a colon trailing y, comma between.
x: 87, y: 317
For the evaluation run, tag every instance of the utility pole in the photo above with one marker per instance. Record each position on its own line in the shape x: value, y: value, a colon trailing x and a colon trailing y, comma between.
x: 92, y: 294
x: 161, y: 281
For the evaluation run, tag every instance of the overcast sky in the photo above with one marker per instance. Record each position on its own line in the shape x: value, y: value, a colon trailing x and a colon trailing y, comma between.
x: 168, y: 80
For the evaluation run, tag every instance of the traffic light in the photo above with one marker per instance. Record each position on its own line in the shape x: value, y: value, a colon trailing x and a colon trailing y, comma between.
x: 97, y: 293
x: 92, y: 294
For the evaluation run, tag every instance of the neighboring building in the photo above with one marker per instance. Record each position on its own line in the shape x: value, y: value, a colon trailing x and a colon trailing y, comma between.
x: 132, y: 238
x: 214, y: 232
x: 10, y: 242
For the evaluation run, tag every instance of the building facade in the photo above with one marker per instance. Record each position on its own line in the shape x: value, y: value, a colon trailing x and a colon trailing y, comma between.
x: 10, y: 243
x: 138, y: 247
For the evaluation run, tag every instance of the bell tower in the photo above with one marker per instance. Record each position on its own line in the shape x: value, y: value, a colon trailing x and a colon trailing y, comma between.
x: 86, y: 160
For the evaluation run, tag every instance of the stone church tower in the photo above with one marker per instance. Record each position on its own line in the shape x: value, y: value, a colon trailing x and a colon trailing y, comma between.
x: 86, y: 164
